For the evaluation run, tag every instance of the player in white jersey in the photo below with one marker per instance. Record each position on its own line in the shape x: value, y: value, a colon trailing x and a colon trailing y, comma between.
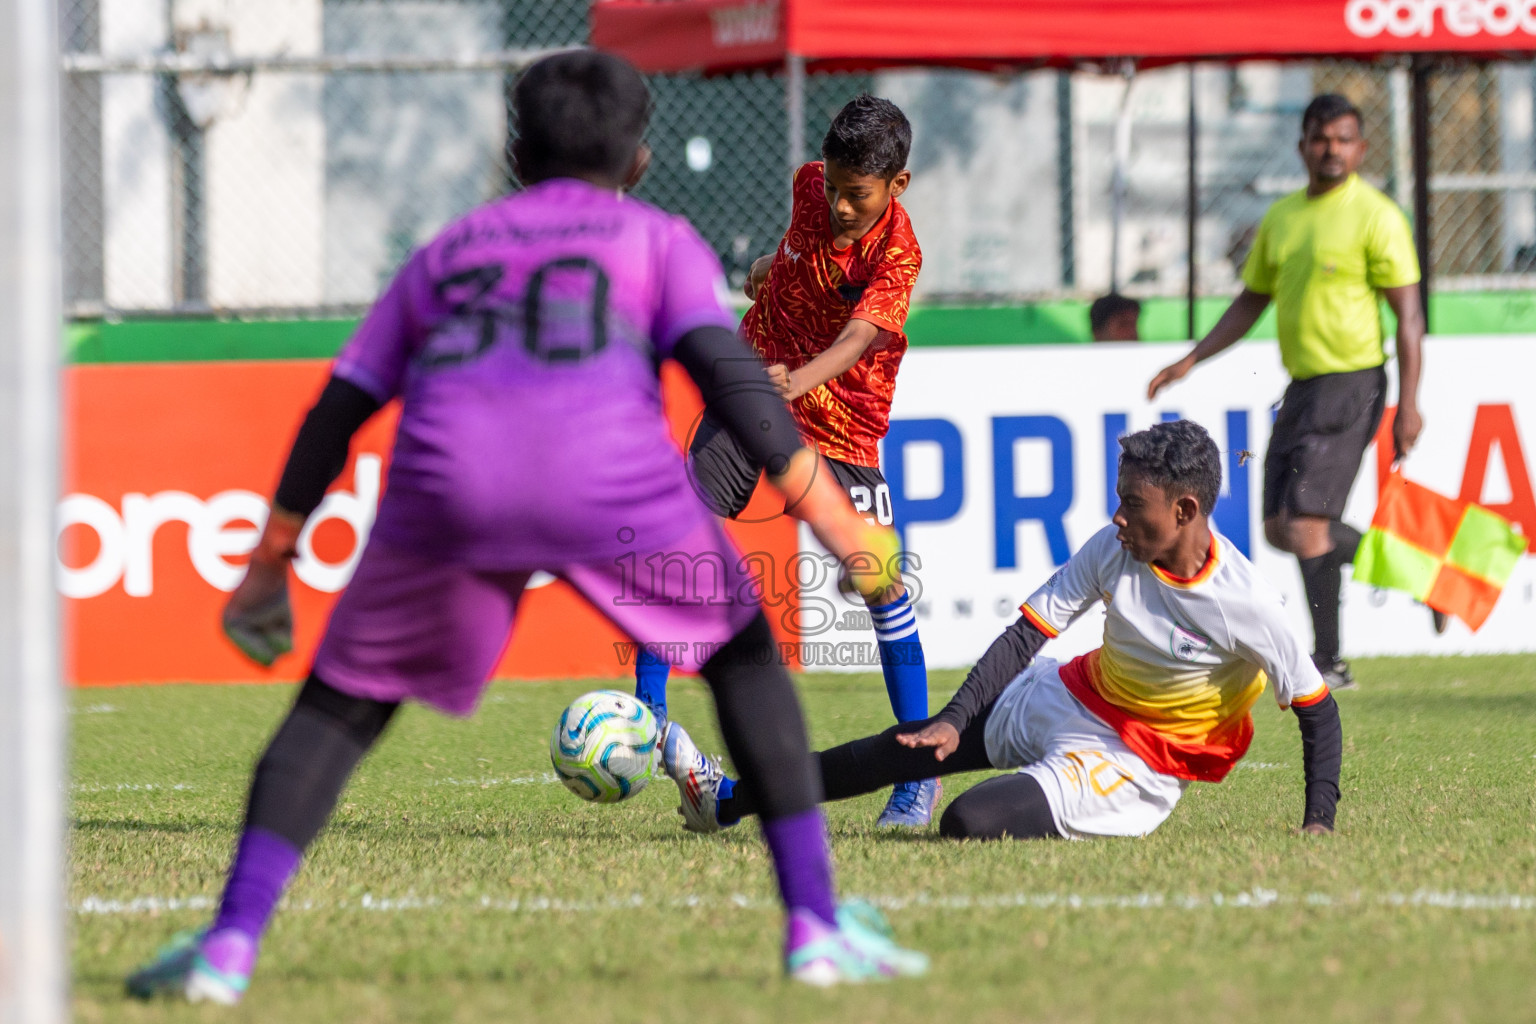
x: 1105, y: 744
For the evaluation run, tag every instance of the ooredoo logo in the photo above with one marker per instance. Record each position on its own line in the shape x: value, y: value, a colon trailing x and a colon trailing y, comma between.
x: 225, y: 526
x: 1404, y: 18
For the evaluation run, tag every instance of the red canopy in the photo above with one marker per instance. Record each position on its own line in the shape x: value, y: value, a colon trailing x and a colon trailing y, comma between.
x: 733, y: 35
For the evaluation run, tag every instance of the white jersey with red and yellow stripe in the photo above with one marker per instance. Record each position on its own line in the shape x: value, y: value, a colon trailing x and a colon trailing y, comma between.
x: 1183, y: 660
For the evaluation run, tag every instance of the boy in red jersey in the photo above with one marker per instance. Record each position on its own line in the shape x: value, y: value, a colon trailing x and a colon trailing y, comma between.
x: 828, y: 318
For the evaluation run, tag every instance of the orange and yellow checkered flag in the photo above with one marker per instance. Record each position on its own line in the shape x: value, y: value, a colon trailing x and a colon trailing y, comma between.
x: 1453, y: 555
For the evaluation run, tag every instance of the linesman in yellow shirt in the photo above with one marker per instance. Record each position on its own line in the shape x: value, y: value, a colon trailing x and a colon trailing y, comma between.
x: 1326, y: 256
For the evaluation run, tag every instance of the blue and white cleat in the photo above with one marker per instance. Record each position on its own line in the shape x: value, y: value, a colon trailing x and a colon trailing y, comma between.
x: 200, y: 966
x: 859, y: 949
x: 911, y: 804
x: 697, y: 777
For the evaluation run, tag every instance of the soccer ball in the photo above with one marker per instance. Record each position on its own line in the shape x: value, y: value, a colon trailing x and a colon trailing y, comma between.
x: 604, y: 746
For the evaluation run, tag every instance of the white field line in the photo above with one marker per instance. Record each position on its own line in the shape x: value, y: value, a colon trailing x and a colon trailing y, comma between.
x: 96, y: 709
x: 503, y: 780
x: 150, y: 787
x: 1253, y: 899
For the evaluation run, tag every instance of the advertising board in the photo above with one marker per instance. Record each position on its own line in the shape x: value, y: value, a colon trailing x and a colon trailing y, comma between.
x: 1000, y: 463
x: 168, y: 470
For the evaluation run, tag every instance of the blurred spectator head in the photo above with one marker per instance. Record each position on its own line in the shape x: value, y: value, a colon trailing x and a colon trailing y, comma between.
x: 1114, y: 317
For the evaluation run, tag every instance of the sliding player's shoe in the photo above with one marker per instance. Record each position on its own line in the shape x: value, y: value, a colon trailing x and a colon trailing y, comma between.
x: 698, y: 778
x: 911, y: 804
x: 199, y: 966
x: 859, y: 949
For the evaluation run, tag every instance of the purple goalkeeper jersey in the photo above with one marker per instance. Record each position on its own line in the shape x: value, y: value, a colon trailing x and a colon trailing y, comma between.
x: 524, y: 342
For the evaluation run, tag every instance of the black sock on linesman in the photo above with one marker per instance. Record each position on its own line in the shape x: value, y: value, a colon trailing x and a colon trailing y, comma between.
x: 1323, y: 578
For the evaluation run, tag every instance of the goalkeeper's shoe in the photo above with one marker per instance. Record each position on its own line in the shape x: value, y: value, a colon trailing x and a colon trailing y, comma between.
x: 199, y: 965
x: 697, y: 777
x: 858, y: 949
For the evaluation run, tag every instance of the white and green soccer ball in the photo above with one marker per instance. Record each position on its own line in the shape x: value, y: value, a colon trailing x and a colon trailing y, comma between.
x: 604, y: 746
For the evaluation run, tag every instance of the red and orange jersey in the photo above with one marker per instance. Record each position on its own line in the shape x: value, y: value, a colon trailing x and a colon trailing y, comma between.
x: 1183, y: 660
x: 812, y: 291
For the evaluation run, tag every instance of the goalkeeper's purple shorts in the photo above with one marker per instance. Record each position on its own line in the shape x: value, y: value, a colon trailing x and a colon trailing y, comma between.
x: 414, y: 628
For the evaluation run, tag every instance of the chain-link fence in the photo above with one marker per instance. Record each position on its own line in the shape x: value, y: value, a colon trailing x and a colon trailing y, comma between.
x: 285, y: 155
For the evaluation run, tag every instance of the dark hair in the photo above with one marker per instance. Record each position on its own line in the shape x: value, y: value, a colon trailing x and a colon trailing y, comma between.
x: 1106, y: 307
x: 1326, y: 109
x: 869, y: 135
x: 576, y: 113
x: 1178, y: 457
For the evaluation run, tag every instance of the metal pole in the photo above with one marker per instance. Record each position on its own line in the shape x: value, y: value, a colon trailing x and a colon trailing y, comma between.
x: 32, y: 973
x: 1402, y: 134
x: 1065, y: 176
x: 1122, y: 157
x: 1422, y: 67
x: 1193, y: 185
x: 794, y: 111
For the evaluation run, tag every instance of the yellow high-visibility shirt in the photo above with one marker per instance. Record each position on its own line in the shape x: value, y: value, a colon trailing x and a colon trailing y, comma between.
x: 1322, y: 261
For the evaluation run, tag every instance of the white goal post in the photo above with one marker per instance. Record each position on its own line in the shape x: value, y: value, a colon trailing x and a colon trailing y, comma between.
x: 32, y: 971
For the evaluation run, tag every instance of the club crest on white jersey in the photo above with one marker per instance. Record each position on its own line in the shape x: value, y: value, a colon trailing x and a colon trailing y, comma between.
x: 1186, y: 645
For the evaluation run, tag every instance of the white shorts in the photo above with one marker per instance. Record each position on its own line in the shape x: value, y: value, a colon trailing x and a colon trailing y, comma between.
x: 1095, y: 784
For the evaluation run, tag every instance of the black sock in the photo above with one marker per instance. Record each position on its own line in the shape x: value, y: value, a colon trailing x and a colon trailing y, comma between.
x: 1321, y: 578
x: 761, y: 723
x: 1346, y: 541
x: 308, y: 762
x: 875, y: 763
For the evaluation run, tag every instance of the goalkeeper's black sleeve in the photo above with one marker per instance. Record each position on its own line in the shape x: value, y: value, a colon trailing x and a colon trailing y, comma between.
x: 320, y: 450
x: 737, y: 392
x: 1322, y: 754
x: 1009, y: 655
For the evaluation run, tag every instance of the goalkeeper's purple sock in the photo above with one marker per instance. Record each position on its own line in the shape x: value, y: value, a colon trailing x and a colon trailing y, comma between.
x: 264, y: 862
x: 802, y: 862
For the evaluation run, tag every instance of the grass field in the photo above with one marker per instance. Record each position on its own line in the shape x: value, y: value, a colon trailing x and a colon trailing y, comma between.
x: 458, y: 883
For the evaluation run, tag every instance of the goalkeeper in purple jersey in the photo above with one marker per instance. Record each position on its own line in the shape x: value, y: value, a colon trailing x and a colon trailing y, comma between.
x: 523, y: 343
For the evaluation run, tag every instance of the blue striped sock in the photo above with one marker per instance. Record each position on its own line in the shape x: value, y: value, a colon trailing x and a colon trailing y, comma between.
x: 901, y: 658
x: 651, y: 682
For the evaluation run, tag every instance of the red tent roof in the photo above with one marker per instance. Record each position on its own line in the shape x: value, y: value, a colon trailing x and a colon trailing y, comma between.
x: 733, y: 35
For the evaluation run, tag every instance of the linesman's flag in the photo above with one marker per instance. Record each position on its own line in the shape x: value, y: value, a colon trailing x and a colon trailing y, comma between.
x: 1454, y: 556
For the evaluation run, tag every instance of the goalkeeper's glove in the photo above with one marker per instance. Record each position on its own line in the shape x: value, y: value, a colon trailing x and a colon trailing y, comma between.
x: 258, y: 618
x: 868, y: 553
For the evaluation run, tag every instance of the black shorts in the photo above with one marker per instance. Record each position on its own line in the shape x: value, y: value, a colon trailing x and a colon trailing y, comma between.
x: 725, y: 476
x: 1324, y: 426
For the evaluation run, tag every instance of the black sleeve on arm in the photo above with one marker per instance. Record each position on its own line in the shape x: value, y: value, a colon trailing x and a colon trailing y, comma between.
x: 1322, y: 754
x: 320, y: 450
x: 737, y: 392
x: 1009, y: 655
